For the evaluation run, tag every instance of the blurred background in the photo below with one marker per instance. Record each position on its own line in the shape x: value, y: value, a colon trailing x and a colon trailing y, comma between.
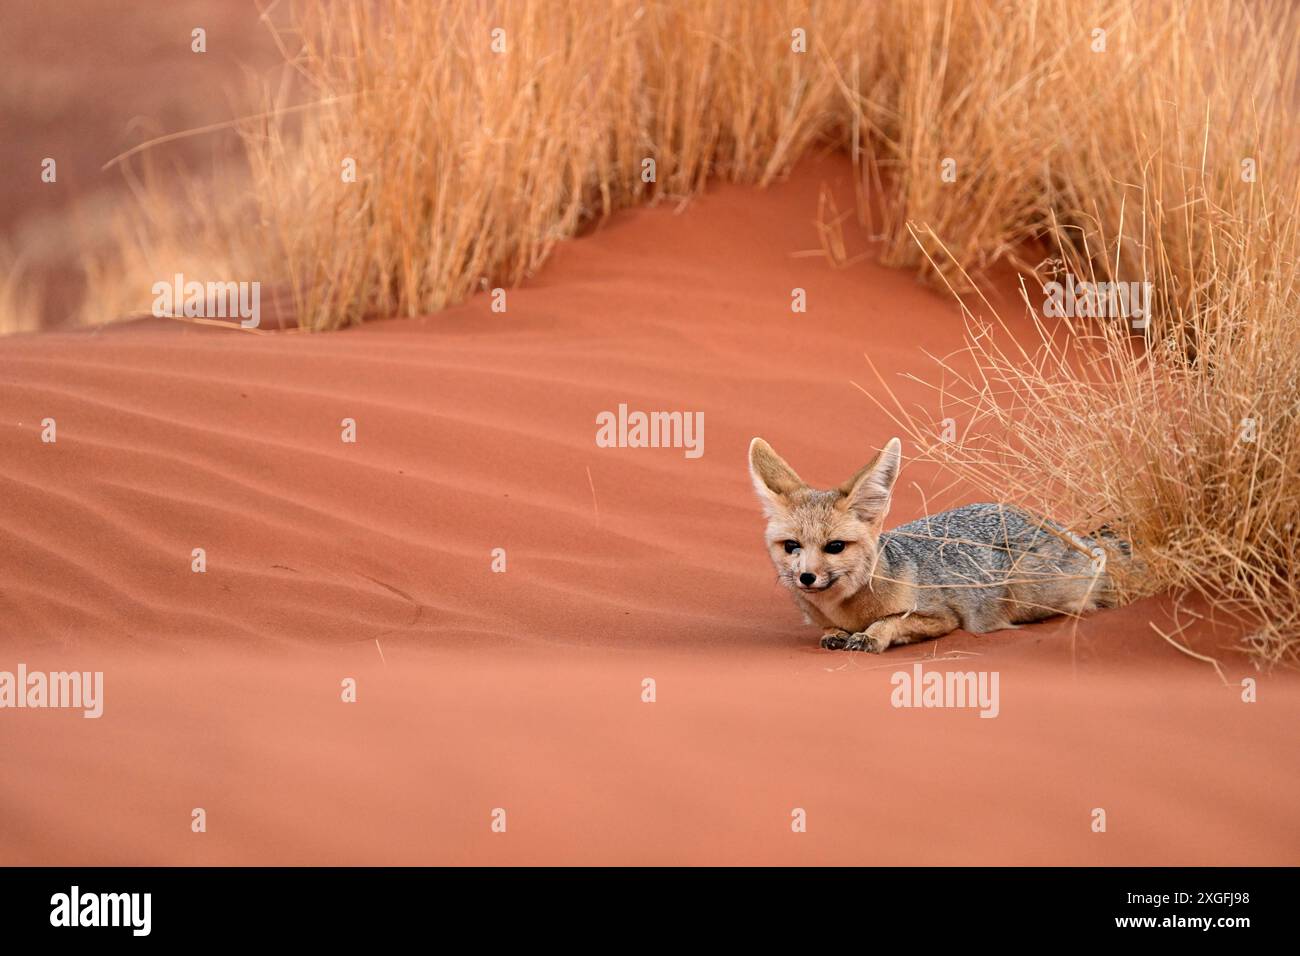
x: 85, y: 81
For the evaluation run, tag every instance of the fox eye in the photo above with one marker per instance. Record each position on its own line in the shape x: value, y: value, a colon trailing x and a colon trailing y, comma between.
x: 791, y: 546
x: 834, y: 547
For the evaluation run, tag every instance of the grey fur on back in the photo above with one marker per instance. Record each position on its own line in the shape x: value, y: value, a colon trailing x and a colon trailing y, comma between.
x: 994, y: 566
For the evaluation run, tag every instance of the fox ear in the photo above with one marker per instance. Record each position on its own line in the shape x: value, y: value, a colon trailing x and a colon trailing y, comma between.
x: 868, y: 492
x: 772, y: 477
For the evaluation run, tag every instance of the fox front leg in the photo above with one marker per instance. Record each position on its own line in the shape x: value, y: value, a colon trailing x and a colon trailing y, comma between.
x: 899, y: 629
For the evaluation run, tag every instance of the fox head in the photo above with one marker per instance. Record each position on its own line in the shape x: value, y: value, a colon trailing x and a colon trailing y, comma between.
x: 823, y: 543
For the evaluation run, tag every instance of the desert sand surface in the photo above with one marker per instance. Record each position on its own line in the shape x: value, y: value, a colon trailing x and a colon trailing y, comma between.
x: 522, y: 690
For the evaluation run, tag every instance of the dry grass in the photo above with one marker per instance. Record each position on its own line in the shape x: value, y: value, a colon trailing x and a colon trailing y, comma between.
x: 1123, y: 163
x: 471, y: 163
x: 21, y: 304
x: 1185, y: 440
x: 1192, y: 462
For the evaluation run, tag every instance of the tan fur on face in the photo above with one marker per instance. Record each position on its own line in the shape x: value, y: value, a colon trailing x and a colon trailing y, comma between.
x: 853, y: 513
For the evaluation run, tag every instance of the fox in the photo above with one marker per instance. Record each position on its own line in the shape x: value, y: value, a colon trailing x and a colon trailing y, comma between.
x: 981, y: 567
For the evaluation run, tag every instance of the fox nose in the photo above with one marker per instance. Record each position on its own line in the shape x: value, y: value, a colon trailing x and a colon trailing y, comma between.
x: 807, y: 579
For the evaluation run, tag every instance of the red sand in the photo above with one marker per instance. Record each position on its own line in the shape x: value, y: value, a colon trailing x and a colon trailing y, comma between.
x: 522, y: 690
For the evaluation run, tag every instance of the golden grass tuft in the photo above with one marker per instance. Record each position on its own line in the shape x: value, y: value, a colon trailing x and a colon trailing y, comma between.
x: 21, y: 300
x: 471, y: 164
x: 1132, y: 165
x: 1194, y: 463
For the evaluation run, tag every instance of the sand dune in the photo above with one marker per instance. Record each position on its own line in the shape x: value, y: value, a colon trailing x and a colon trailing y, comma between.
x: 521, y: 690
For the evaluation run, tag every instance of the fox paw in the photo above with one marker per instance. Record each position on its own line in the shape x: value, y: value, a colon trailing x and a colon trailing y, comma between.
x: 866, y: 641
x: 835, y: 640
